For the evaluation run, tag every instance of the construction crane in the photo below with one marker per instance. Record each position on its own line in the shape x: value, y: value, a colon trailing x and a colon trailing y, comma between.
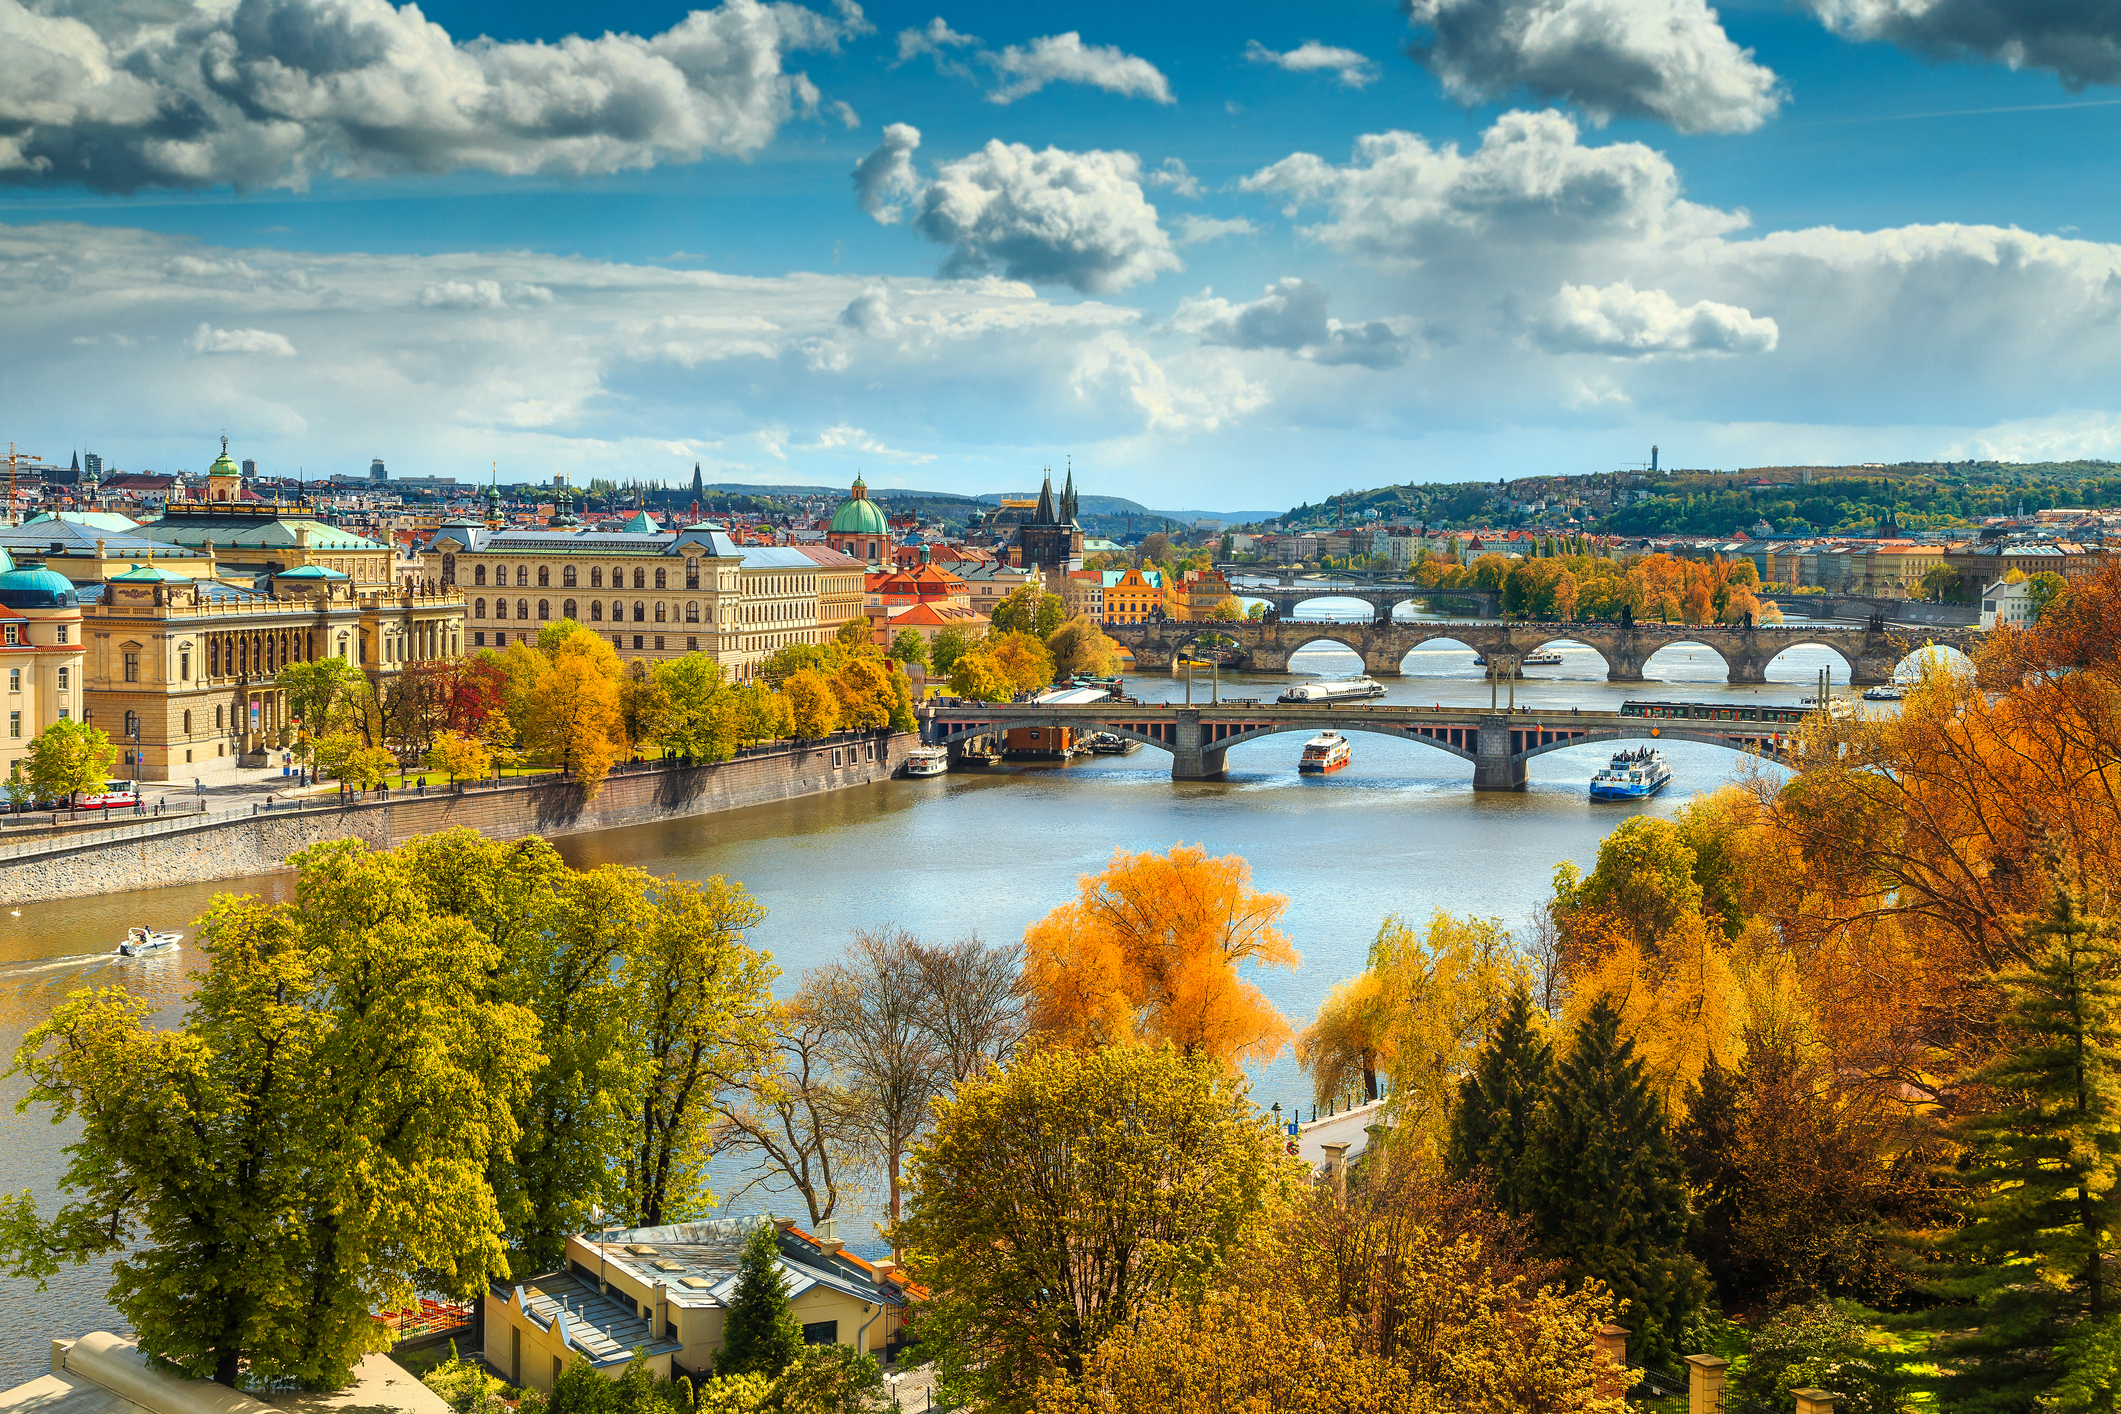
x: 14, y: 455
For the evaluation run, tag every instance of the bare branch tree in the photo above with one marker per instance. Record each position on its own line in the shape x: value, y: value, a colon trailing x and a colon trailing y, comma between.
x: 792, y: 1117
x: 880, y: 1049
x: 972, y: 1005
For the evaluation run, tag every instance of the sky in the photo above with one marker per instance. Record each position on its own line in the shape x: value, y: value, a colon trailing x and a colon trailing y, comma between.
x: 1216, y: 256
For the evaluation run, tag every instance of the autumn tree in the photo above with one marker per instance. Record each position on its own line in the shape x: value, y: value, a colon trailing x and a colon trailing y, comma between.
x: 1023, y: 659
x: 855, y: 633
x: 947, y: 647
x: 867, y: 694
x: 573, y: 716
x: 1149, y: 951
x: 981, y: 677
x: 306, y: 1147
x: 461, y: 758
x: 813, y: 707
x: 644, y: 708
x: 1055, y: 1198
x: 1081, y: 646
x: 1028, y: 610
x: 756, y: 714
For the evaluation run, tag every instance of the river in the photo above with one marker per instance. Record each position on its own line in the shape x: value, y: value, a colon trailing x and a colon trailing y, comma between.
x: 1400, y: 830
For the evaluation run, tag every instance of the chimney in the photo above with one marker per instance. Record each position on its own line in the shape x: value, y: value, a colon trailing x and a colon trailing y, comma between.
x: 828, y: 1236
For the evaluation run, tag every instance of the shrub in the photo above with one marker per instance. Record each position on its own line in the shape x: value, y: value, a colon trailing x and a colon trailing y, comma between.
x: 1825, y: 1345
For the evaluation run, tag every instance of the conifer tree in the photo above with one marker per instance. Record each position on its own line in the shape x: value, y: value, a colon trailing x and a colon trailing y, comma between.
x: 1495, y: 1122
x: 2045, y: 1158
x: 758, y: 1335
x: 1607, y: 1192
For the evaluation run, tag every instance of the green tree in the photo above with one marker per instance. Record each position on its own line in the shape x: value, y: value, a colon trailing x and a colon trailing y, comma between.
x: 1029, y: 609
x: 757, y: 714
x: 317, y: 692
x: 1938, y: 581
x: 981, y: 678
x: 580, y: 1389
x: 1607, y: 1193
x: 1497, y: 1118
x: 69, y: 756
x: 829, y: 1379
x: 2043, y: 1157
x: 948, y: 646
x: 644, y: 708
x: 759, y: 1336
x: 909, y: 648
x: 308, y: 1146
x: 700, y: 722
x: 1053, y: 1198
x: 2045, y: 588
x: 1824, y: 1345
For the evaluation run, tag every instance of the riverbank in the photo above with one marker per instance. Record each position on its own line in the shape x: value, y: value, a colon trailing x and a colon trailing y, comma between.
x: 184, y: 849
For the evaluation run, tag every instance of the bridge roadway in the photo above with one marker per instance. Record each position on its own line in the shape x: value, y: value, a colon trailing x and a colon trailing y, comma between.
x: 1381, y: 595
x: 1873, y: 651
x: 1200, y: 736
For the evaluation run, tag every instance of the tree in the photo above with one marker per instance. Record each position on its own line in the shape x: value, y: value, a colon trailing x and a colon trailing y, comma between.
x: 829, y: 1379
x: 2045, y: 587
x: 308, y: 1146
x: 791, y: 1115
x: 1155, y: 549
x: 1607, y: 1194
x: 1023, y: 658
x: 1149, y: 950
x: 644, y: 708
x: 461, y: 758
x: 1256, y: 610
x: 1497, y: 1119
x: 1226, y: 610
x: 1029, y: 609
x: 972, y: 1006
x: 756, y: 714
x: 573, y: 715
x: 1444, y: 988
x: 699, y: 723
x: 867, y: 693
x: 1082, y: 646
x: 1822, y: 1345
x: 880, y: 1046
x: 2044, y: 1158
x: 361, y: 767
x: 69, y: 756
x: 759, y: 1335
x: 855, y: 633
x: 1938, y: 581
x: 908, y: 647
x: 700, y: 1005
x: 947, y: 647
x: 1053, y: 1199
x: 813, y: 708
x: 316, y: 692
x: 981, y: 677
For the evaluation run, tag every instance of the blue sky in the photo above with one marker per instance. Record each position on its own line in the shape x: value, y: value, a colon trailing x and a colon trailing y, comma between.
x: 1239, y: 255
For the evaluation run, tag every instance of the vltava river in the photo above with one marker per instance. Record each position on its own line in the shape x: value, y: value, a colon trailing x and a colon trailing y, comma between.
x: 1399, y: 831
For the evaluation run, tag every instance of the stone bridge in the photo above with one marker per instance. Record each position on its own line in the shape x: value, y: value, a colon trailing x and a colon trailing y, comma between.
x: 1498, y: 744
x: 1382, y: 596
x: 1872, y: 651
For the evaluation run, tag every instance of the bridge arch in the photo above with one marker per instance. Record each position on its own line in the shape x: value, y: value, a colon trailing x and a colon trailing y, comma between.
x: 1605, y: 664
x: 1296, y: 606
x: 1442, y: 641
x: 1658, y: 731
x: 1347, y: 637
x: 1842, y: 667
x: 1945, y: 656
x: 1442, y: 744
x: 1676, y: 655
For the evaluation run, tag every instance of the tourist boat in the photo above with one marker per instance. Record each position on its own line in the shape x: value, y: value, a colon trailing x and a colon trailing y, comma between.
x: 1342, y: 690
x: 1893, y: 693
x: 1637, y: 774
x: 1111, y: 744
x: 927, y: 760
x: 141, y: 941
x: 1328, y: 751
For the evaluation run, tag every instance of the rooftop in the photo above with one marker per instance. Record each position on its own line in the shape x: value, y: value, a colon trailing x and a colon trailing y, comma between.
x: 601, y: 1326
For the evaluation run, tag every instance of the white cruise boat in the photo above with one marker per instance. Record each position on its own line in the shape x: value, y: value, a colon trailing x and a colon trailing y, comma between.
x: 1342, y: 690
x: 1328, y: 751
x: 927, y: 760
x: 1636, y: 774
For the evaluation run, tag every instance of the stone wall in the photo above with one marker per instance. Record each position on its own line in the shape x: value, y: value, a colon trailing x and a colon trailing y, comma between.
x: 230, y: 849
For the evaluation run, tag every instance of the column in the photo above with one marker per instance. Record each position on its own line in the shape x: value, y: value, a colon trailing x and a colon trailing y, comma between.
x: 1609, y: 1360
x: 1494, y: 767
x: 1813, y: 1401
x: 1704, y: 1384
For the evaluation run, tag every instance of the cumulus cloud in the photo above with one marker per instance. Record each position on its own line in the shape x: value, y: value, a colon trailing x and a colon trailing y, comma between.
x: 483, y: 294
x: 1629, y: 323
x: 1173, y: 174
x: 1291, y: 316
x: 206, y: 339
x: 1192, y: 230
x: 1353, y: 70
x: 1667, y: 60
x: 842, y: 438
x: 1052, y: 217
x: 271, y: 92
x: 2081, y: 43
x: 1113, y: 366
x: 1022, y: 70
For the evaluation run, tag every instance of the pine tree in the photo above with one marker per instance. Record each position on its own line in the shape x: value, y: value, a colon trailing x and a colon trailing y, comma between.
x: 758, y: 1334
x: 2043, y: 1205
x: 1607, y: 1192
x: 1493, y: 1127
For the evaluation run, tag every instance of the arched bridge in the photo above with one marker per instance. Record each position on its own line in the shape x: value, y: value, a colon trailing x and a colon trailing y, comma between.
x: 1290, y: 591
x: 1872, y: 651
x: 1498, y: 744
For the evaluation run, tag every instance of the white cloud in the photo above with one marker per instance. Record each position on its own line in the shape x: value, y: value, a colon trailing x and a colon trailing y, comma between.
x: 271, y: 92
x: 1290, y: 315
x: 2079, y: 42
x: 939, y: 40
x: 1064, y: 58
x: 1051, y: 217
x: 1113, y: 366
x: 1173, y: 174
x: 483, y: 294
x: 1353, y: 70
x: 1192, y: 230
x: 1667, y: 60
x: 842, y: 438
x: 1629, y: 323
x: 206, y: 339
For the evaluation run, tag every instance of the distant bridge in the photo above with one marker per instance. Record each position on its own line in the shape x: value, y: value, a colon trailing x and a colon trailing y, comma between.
x: 1498, y: 744
x: 1382, y: 596
x: 1873, y: 652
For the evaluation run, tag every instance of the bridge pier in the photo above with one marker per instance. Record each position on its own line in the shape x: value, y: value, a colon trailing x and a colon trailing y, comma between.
x: 1191, y: 758
x: 1494, y: 768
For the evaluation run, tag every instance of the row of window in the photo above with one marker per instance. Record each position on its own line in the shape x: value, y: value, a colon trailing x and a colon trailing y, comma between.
x: 568, y: 573
x: 14, y: 679
x: 618, y: 641
x: 663, y: 612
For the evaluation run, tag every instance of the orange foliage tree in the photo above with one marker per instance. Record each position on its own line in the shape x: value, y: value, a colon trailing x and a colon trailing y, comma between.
x: 1148, y: 951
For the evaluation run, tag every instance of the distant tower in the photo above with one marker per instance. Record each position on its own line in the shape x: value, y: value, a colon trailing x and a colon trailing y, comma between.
x: 698, y: 491
x: 376, y: 471
x: 1653, y: 458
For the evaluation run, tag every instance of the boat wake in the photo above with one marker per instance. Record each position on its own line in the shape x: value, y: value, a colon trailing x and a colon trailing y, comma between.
x: 51, y: 964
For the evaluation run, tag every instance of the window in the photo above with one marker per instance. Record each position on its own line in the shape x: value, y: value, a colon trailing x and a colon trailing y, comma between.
x: 639, y: 578
x: 62, y: 633
x: 14, y: 724
x: 544, y: 576
x: 65, y: 713
x: 449, y: 569
x: 567, y: 608
x: 596, y: 611
x: 14, y: 679
x: 821, y: 1332
x: 692, y: 645
x: 596, y: 576
x: 132, y: 724
x: 640, y: 611
x: 522, y: 608
x: 478, y: 608
x: 659, y: 611
x: 618, y: 640
x: 187, y: 724
x: 618, y: 611
x: 692, y: 612
x: 544, y: 609
x: 184, y: 667
x: 213, y: 658
x: 500, y: 640
x: 478, y: 640
x: 637, y: 640
x: 659, y: 643
x: 500, y: 608
x: 660, y: 582
x: 217, y: 717
x: 14, y: 634
x: 478, y: 576
x: 62, y: 679
x: 692, y: 572
x: 567, y: 577
x: 522, y: 576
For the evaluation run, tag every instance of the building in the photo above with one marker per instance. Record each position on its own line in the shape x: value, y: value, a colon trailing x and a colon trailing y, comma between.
x: 103, y: 1373
x: 40, y: 653
x: 1083, y: 594
x: 841, y: 588
x: 1200, y: 591
x: 1133, y: 596
x: 1049, y: 540
x: 777, y: 605
x: 859, y: 529
x: 263, y: 538
x: 990, y: 583
x: 2010, y: 604
x: 665, y: 1291
x: 375, y: 470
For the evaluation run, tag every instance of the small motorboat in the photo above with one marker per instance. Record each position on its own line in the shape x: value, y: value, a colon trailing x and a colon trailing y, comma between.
x: 1893, y: 693
x: 927, y: 760
x: 1111, y: 744
x: 141, y: 941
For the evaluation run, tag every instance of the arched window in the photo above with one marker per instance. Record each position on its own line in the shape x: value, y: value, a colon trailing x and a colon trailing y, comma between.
x: 692, y: 612
x: 618, y: 611
x: 544, y: 609
x: 132, y: 724
x: 478, y: 608
x: 500, y: 608
x: 523, y: 576
x: 213, y: 657
x: 659, y: 609
x: 522, y: 608
x: 478, y: 576
x: 596, y: 576
x: 567, y: 577
x: 640, y: 611
x: 596, y: 611
x: 449, y: 569
x: 660, y: 581
x: 187, y: 724
x: 567, y: 609
x: 217, y: 718
x: 640, y: 578
x: 544, y: 576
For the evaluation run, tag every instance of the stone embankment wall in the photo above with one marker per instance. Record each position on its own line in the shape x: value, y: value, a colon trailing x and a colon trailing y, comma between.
x: 230, y: 849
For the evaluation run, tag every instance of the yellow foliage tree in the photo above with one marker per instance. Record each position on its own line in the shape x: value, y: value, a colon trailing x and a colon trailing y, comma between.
x: 1148, y: 951
x: 866, y: 693
x: 1439, y: 991
x: 1024, y: 659
x: 980, y: 677
x: 461, y: 758
x: 573, y: 716
x: 1082, y: 646
x: 813, y: 707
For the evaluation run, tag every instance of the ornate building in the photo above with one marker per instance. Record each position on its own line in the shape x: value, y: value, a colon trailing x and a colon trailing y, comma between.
x: 859, y: 529
x: 1050, y: 541
x: 40, y: 654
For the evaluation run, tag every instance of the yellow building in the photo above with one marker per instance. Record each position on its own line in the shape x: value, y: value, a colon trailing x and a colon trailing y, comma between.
x: 1133, y: 596
x: 840, y: 589
x: 1199, y: 593
x: 40, y: 655
x: 665, y: 1291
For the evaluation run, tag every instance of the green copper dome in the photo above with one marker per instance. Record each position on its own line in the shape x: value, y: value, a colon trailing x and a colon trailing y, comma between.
x: 860, y: 515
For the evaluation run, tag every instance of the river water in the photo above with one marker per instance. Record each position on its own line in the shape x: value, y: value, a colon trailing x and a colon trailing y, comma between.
x: 1400, y: 830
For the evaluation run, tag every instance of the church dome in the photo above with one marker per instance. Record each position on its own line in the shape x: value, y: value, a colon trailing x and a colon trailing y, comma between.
x: 859, y: 516
x: 35, y: 587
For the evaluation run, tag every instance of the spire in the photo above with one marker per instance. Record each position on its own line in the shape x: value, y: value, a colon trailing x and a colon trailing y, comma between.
x: 1045, y: 514
x: 1067, y: 505
x: 77, y: 462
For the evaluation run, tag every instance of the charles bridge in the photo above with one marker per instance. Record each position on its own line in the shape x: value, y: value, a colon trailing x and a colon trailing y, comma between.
x: 1872, y: 650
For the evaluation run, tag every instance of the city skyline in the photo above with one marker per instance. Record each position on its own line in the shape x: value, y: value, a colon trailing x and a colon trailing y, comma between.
x: 1227, y: 258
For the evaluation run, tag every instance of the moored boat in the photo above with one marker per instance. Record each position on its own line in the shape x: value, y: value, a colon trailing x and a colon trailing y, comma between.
x: 141, y: 941
x: 1338, y: 690
x: 1328, y: 751
x: 1890, y: 693
x: 1637, y: 774
x: 927, y: 760
x: 1111, y: 744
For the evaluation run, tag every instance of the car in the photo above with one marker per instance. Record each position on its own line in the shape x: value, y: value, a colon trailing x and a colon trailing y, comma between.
x: 115, y: 795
